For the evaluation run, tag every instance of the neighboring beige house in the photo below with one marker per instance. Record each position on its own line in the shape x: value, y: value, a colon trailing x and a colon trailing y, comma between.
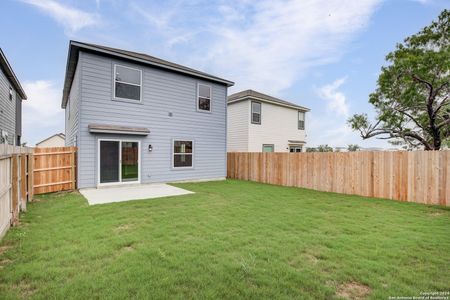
x: 56, y: 140
x: 258, y: 122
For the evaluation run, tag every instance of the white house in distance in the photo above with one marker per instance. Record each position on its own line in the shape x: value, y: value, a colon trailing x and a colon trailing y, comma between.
x: 261, y: 123
x: 56, y: 140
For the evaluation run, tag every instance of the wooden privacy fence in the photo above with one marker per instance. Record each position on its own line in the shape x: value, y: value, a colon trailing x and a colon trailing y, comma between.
x: 26, y: 171
x: 16, y: 179
x: 54, y: 169
x: 413, y: 176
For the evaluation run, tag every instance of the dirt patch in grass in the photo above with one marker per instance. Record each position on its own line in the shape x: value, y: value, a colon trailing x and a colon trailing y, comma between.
x: 5, y: 248
x: 311, y: 258
x: 353, y: 290
x: 4, y: 262
x: 436, y: 214
x: 25, y: 289
x: 123, y: 228
x: 128, y: 248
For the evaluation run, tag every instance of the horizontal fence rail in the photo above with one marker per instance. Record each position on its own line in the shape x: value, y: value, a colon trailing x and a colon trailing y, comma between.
x: 54, y: 169
x: 413, y: 176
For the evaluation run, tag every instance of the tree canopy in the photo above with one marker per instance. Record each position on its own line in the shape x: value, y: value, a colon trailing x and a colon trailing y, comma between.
x: 412, y: 96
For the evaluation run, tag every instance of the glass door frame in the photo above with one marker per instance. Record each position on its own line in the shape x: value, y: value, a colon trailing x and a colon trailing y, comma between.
x: 120, y: 161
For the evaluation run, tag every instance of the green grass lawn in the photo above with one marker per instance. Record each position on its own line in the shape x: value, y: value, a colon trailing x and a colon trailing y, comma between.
x: 232, y: 239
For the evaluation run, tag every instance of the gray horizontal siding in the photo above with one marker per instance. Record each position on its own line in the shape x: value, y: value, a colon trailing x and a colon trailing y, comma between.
x: 163, y: 92
x: 7, y: 108
x: 72, y: 111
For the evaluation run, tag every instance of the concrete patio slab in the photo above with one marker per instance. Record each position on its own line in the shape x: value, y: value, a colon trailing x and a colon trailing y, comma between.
x: 133, y: 192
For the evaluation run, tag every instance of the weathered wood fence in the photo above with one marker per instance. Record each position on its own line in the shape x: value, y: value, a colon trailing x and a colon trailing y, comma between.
x: 54, y: 169
x: 26, y: 171
x: 16, y: 178
x: 413, y: 176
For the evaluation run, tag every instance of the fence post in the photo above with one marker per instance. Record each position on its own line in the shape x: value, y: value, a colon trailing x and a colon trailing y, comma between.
x: 30, y: 176
x: 23, y: 183
x: 15, y: 195
x: 72, y: 169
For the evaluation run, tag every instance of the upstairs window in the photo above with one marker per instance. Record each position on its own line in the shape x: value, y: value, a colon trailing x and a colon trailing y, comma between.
x: 204, y: 97
x: 301, y: 120
x: 127, y: 83
x: 256, y: 112
x: 182, y: 154
x: 11, y: 93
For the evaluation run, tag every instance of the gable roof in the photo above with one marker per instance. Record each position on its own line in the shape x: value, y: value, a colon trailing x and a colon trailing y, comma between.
x: 251, y: 94
x: 75, y: 47
x: 4, y: 64
x: 61, y: 135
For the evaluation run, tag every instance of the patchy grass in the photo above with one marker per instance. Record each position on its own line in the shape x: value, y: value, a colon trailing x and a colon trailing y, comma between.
x: 231, y: 239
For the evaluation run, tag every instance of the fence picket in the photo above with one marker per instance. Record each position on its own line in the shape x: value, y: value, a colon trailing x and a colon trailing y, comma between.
x: 415, y: 176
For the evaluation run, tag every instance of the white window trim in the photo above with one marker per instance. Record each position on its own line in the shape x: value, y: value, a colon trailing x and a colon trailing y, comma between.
x: 198, y: 96
x: 173, y: 153
x: 251, y: 112
x: 120, y: 182
x: 114, y: 85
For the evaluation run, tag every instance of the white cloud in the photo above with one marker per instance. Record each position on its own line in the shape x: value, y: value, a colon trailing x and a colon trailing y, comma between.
x: 336, y: 101
x: 42, y: 113
x: 277, y: 42
x: 71, y: 18
x: 266, y: 45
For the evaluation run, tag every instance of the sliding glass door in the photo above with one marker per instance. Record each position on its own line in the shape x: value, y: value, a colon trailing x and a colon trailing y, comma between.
x: 118, y: 161
x: 109, y: 161
x: 130, y: 162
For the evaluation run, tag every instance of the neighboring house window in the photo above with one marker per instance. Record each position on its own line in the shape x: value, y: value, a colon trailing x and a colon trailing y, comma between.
x: 182, y: 153
x: 11, y: 93
x: 268, y: 148
x: 127, y: 83
x: 301, y: 120
x: 256, y: 112
x: 295, y: 149
x: 204, y: 97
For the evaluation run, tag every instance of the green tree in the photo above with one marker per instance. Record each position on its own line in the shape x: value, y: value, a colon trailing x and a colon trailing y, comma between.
x: 324, y: 148
x: 412, y: 97
x: 353, y: 147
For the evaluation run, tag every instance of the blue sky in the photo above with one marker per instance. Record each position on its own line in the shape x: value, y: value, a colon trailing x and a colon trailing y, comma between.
x: 322, y: 54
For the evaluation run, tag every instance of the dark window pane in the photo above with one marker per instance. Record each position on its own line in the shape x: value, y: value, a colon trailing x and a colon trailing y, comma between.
x: 291, y: 149
x: 204, y: 104
x: 204, y: 91
x: 301, y: 125
x: 109, y: 161
x: 128, y: 75
x: 182, y: 147
x: 256, y: 118
x: 128, y: 91
x: 182, y: 160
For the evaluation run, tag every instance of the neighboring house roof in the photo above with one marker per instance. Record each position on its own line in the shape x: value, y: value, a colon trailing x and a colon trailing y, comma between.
x: 4, y: 64
x: 61, y: 135
x: 74, y: 48
x: 251, y: 94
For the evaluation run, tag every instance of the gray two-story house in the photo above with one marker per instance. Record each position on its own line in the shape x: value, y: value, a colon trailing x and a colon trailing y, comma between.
x: 139, y: 119
x: 11, y: 96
